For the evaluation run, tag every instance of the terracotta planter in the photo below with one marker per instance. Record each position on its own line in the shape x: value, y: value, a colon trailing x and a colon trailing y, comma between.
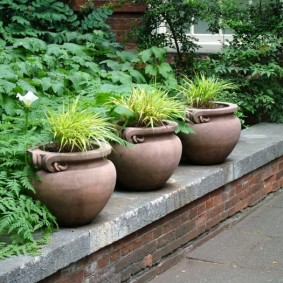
x: 74, y: 186
x: 150, y: 161
x: 217, y: 132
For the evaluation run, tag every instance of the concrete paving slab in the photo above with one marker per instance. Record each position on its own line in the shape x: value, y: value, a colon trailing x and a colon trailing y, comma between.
x: 251, y: 251
x: 226, y: 247
x: 266, y: 255
x: 265, y: 220
x: 193, y: 271
x: 276, y: 201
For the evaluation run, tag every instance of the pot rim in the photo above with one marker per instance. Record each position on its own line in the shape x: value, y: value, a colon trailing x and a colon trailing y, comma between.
x: 201, y: 115
x: 130, y: 133
x: 57, y: 161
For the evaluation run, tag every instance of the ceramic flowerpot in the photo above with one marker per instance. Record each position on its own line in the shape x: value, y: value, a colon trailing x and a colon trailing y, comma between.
x: 150, y: 161
x: 217, y: 132
x: 74, y: 186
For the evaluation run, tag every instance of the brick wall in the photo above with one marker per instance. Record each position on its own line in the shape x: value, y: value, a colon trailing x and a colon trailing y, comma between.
x: 123, y: 20
x: 153, y: 249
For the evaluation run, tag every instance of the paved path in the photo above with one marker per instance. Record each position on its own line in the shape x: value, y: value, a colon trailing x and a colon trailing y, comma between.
x: 251, y: 251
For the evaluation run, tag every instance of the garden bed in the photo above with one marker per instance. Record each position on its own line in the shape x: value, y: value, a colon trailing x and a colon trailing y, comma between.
x: 136, y: 231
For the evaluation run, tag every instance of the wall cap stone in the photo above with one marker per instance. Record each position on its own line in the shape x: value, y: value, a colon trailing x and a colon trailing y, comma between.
x: 128, y: 212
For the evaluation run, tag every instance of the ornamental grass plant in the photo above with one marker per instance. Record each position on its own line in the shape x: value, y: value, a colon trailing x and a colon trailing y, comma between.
x: 146, y: 107
x: 202, y: 91
x: 76, y: 129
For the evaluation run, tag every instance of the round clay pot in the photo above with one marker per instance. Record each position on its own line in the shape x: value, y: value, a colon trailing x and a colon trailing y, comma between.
x: 74, y: 186
x: 150, y: 161
x: 217, y: 132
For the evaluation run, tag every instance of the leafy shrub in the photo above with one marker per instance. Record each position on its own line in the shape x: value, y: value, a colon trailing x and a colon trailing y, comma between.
x: 253, y: 59
x: 49, y: 20
x: 176, y: 16
x: 61, y: 57
x: 25, y: 224
x: 147, y: 66
x: 46, y: 48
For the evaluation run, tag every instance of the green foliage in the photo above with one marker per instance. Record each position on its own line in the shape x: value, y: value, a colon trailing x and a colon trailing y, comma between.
x: 146, y: 107
x: 47, y: 49
x: 176, y: 16
x: 252, y: 60
x: 147, y: 66
x: 77, y: 129
x: 25, y: 224
x: 258, y: 18
x: 49, y: 20
x: 202, y: 91
x: 59, y: 63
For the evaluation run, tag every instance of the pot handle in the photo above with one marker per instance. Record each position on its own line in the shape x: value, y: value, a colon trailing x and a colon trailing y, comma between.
x: 58, y: 162
x: 198, y: 116
x: 137, y: 135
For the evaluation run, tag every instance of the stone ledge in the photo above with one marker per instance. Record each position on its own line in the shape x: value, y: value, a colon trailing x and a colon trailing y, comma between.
x: 128, y: 212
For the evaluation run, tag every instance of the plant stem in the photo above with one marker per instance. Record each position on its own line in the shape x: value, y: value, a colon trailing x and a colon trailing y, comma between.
x: 27, y: 118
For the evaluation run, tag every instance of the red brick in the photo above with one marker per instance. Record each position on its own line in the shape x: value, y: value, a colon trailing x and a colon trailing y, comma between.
x: 232, y: 193
x: 215, y: 211
x: 193, y: 212
x: 239, y: 189
x: 137, y: 243
x: 244, y: 194
x: 115, y: 255
x: 165, y: 239
x: 126, y: 249
x: 147, y: 237
x: 201, y: 208
x: 241, y: 205
x: 184, y: 228
x: 77, y: 277
x: 171, y: 225
x: 209, y: 204
x: 201, y: 219
x: 217, y: 200
x: 201, y: 229
x: 268, y: 172
x: 279, y: 175
x: 231, y: 202
x: 269, y: 183
x: 280, y: 182
x: 280, y: 164
x: 102, y: 262
x: 189, y: 236
x: 213, y: 221
x: 148, y: 261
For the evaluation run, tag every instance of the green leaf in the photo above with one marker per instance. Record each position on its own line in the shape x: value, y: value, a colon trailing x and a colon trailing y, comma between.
x: 138, y: 77
x: 6, y: 86
x: 80, y: 77
x: 26, y: 86
x: 145, y: 55
x: 164, y: 69
x: 184, y: 128
x: 74, y: 49
x: 120, y: 77
x: 123, y: 111
x: 8, y: 105
x: 31, y: 44
x: 151, y: 70
x: 20, y: 20
x: 159, y: 53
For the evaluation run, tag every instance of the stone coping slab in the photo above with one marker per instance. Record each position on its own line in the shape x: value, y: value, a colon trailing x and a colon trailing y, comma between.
x: 128, y: 212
